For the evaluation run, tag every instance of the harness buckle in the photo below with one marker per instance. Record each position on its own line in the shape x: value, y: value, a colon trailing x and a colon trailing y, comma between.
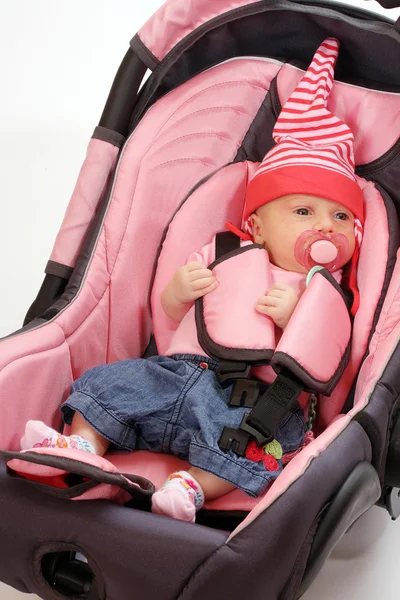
x: 227, y: 371
x: 262, y: 438
x: 237, y: 439
x: 245, y: 392
x: 234, y: 439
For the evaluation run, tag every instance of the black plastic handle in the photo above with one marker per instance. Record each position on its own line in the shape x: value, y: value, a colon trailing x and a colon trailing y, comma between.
x: 389, y: 3
x: 123, y: 95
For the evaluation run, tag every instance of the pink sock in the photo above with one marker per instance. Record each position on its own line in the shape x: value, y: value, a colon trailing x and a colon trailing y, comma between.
x: 39, y: 435
x: 180, y: 497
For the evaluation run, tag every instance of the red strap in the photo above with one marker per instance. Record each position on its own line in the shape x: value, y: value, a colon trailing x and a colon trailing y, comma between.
x: 238, y: 232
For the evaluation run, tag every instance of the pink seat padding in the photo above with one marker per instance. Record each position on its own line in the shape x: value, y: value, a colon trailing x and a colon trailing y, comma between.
x: 370, y: 278
x: 185, y: 136
x: 101, y: 158
x: 383, y: 343
x: 157, y: 467
x: 175, y: 19
x: 241, y: 326
x: 194, y: 226
x: 320, y: 315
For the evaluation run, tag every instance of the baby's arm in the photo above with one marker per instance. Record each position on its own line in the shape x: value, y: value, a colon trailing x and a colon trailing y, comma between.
x: 278, y: 303
x: 187, y: 284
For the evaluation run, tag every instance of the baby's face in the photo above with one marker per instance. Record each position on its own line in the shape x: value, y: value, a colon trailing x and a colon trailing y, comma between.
x: 278, y: 224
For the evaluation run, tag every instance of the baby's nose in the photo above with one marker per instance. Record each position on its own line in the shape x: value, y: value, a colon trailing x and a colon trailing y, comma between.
x: 325, y: 225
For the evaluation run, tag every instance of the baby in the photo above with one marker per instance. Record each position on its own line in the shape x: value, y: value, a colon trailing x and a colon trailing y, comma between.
x: 305, y: 188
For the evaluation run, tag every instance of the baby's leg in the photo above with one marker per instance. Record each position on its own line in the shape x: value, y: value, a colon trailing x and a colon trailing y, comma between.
x: 184, y: 493
x: 82, y: 428
x: 82, y: 437
x: 212, y: 486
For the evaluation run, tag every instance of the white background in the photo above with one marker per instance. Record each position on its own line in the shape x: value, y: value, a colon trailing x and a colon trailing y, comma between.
x: 58, y: 59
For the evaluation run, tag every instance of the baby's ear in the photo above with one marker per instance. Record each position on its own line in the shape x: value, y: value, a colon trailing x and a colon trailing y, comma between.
x: 256, y: 227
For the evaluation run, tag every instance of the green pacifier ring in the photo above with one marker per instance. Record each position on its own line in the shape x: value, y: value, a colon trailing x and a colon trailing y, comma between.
x: 312, y: 272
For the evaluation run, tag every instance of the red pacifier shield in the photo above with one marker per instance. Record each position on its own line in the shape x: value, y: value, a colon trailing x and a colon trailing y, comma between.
x: 313, y: 248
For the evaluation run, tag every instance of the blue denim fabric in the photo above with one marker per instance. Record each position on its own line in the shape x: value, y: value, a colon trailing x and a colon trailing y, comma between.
x: 174, y: 405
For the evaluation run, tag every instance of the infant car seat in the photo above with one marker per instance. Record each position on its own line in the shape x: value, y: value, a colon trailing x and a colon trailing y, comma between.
x: 164, y: 171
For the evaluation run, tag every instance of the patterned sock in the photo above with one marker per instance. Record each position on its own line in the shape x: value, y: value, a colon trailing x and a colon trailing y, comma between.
x: 39, y: 435
x: 180, y: 497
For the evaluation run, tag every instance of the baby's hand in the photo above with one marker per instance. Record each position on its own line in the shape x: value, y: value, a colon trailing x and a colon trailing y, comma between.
x: 187, y: 284
x: 278, y: 303
x: 191, y: 282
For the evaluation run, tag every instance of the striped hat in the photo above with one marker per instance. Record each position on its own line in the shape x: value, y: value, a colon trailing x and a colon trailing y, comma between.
x: 313, y: 153
x: 314, y: 149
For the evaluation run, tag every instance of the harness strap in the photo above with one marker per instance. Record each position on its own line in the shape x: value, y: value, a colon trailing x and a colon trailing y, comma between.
x: 263, y: 420
x: 269, y: 406
x: 225, y: 241
x: 279, y: 399
x: 229, y: 371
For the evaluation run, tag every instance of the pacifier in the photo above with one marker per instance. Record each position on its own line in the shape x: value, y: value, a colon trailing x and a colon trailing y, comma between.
x: 313, y: 248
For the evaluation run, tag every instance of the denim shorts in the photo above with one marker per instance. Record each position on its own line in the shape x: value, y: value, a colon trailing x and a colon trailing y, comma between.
x: 175, y: 405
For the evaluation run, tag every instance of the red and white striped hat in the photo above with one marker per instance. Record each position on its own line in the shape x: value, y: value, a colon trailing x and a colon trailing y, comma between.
x: 314, y: 149
x: 313, y: 153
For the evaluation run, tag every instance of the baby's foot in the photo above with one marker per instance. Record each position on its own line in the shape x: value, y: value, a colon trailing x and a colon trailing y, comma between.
x: 39, y: 435
x: 180, y: 497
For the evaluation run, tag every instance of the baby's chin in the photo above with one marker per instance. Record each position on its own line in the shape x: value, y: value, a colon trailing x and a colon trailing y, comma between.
x: 294, y: 266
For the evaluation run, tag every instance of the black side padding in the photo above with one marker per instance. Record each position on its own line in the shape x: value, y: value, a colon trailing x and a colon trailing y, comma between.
x: 258, y: 140
x: 392, y: 471
x: 52, y: 288
x: 359, y: 492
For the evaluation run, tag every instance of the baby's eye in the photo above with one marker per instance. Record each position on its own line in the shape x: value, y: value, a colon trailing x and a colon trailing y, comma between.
x: 341, y: 216
x: 302, y: 211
